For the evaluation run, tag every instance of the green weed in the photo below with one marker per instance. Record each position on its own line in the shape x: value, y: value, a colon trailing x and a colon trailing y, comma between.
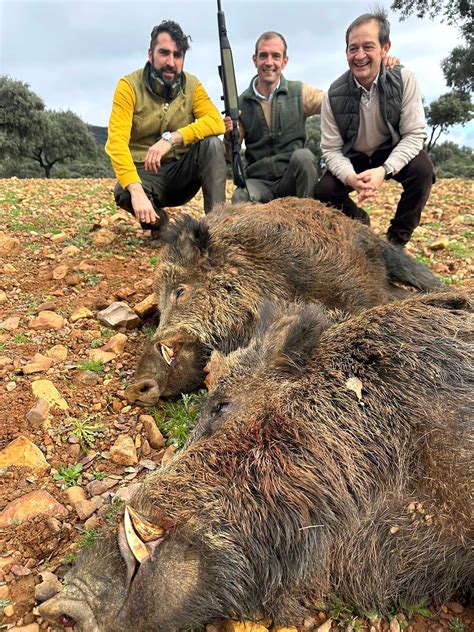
x: 424, y: 260
x: 68, y: 476
x: 417, y: 608
x: 178, y: 418
x: 70, y: 558
x: 153, y: 261
x: 97, y: 366
x: 3, y: 604
x: 460, y: 250
x: 107, y: 333
x: 87, y: 430
x: 97, y: 342
x: 21, y: 338
x: 89, y: 537
x: 114, y: 509
x: 99, y: 476
x: 456, y: 625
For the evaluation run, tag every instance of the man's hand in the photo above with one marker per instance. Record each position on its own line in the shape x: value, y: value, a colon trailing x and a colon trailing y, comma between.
x: 142, y: 207
x: 154, y: 155
x: 366, y: 183
x: 391, y: 62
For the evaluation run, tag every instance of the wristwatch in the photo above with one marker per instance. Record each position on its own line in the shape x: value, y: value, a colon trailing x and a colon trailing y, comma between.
x: 388, y: 171
x: 167, y: 136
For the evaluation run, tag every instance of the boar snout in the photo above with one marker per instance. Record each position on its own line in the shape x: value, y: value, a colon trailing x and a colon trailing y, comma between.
x: 144, y: 392
x: 69, y: 613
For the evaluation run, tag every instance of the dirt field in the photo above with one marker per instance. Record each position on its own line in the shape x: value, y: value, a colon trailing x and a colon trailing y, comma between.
x: 66, y: 250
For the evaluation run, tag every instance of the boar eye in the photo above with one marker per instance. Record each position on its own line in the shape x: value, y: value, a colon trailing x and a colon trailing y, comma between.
x: 220, y: 407
x: 179, y: 292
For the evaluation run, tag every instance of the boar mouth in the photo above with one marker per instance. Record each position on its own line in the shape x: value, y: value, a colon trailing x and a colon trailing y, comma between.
x: 168, y: 353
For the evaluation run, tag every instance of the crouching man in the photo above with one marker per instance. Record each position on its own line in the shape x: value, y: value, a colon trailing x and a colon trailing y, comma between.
x: 373, y: 129
x: 163, y: 134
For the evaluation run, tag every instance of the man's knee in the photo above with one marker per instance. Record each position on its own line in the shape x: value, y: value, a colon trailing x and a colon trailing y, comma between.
x: 328, y: 188
x: 212, y: 146
x: 239, y: 196
x: 303, y: 158
x: 421, y: 169
x: 123, y: 198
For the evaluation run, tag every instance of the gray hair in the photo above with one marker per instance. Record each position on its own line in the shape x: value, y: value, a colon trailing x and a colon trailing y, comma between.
x: 380, y: 16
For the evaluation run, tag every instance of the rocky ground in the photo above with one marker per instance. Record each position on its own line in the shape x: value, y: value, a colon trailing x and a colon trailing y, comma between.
x: 71, y: 448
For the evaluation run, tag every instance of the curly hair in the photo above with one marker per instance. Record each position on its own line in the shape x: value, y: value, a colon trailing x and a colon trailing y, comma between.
x: 175, y: 32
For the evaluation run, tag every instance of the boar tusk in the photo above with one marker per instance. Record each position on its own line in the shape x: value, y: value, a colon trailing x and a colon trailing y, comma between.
x: 145, y: 529
x: 167, y: 353
x: 137, y: 547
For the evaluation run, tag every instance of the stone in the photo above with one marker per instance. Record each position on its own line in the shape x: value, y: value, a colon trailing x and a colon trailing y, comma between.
x: 92, y: 523
x: 74, y: 494
x: 46, y: 320
x: 31, y: 627
x: 58, y: 352
x: 123, y: 451
x: 3, y: 297
x: 119, y: 315
x: 49, y: 587
x: 85, y: 508
x: 167, y: 454
x: 5, y: 361
x: 39, y: 413
x: 46, y: 390
x: 242, y: 626
x: 153, y: 434
x: 21, y: 452
x: 20, y: 571
x: 47, y: 305
x: 455, y: 607
x: 80, y: 313
x: 87, y: 378
x: 38, y: 364
x: 97, y: 488
x: 125, y: 493
x: 37, y: 503
x: 60, y: 272
x: 72, y: 280
x: 8, y: 245
x: 8, y: 268
x: 103, y: 237
x: 146, y: 449
x: 70, y: 251
x: 116, y: 344
x: 440, y: 244
x: 57, y: 238
x: 101, y: 356
x: 325, y: 627
x: 147, y: 307
x: 10, y: 324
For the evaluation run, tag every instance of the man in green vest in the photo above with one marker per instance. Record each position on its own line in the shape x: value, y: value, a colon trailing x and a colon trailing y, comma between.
x: 273, y: 114
x: 372, y: 129
x: 162, y: 138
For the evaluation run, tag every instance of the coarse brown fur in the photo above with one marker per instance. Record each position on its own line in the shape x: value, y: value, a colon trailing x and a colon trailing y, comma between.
x: 214, y: 274
x: 329, y: 459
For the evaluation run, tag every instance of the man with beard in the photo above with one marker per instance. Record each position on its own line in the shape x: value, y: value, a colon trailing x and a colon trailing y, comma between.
x: 373, y: 129
x: 162, y: 137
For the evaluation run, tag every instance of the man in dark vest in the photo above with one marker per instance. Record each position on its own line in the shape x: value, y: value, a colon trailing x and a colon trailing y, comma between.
x: 273, y: 114
x: 373, y: 129
x: 163, y: 134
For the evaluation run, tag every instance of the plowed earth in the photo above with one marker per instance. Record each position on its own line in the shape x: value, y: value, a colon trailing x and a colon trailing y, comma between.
x: 35, y: 212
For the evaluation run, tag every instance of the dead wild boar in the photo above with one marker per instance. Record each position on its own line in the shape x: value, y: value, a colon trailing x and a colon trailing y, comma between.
x: 214, y: 274
x: 330, y: 460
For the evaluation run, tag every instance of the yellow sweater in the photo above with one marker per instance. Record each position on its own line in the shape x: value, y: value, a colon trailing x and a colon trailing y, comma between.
x: 208, y: 122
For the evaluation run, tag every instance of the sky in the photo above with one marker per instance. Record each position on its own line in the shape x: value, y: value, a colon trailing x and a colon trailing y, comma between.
x: 72, y: 52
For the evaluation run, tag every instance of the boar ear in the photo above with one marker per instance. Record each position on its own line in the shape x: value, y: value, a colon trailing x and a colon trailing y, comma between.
x: 293, y: 338
x: 187, y: 238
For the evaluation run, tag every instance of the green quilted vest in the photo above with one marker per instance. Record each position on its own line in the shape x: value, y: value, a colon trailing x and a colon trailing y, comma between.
x: 153, y: 115
x: 268, y: 149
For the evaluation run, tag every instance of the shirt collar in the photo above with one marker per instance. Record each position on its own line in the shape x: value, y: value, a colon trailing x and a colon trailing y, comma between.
x: 372, y: 88
x: 261, y: 96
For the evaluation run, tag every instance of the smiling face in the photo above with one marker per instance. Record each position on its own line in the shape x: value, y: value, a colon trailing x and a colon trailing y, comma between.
x: 167, y: 60
x: 364, y: 52
x: 270, y: 61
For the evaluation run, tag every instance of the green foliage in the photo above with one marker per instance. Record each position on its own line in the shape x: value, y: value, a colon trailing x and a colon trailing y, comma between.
x: 68, y: 476
x: 458, y: 12
x: 456, y: 625
x: 420, y: 608
x: 3, y: 604
x: 178, y: 418
x: 70, y: 558
x: 99, y: 476
x: 452, y: 161
x: 457, y: 68
x: 452, y: 108
x: 114, y: 509
x: 87, y: 430
x: 97, y: 366
x: 153, y: 261
x: 89, y: 537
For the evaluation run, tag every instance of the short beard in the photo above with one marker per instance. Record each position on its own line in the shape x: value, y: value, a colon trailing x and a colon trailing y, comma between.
x: 167, y: 82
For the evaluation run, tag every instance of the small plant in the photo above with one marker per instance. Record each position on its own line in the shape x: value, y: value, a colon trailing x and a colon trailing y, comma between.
x: 420, y: 608
x: 20, y: 338
x: 70, y: 558
x: 97, y: 342
x: 97, y: 366
x: 343, y: 614
x: 456, y: 625
x: 89, y: 537
x: 424, y: 260
x: 87, y: 430
x: 3, y: 604
x: 179, y: 417
x: 106, y: 333
x: 113, y: 510
x: 68, y: 476
x: 148, y: 330
x: 99, y: 476
x: 92, y: 279
x: 153, y: 261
